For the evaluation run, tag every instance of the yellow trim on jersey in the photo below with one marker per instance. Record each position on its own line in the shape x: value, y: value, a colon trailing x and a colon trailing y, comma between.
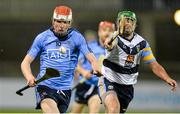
x: 147, y: 49
x: 149, y: 57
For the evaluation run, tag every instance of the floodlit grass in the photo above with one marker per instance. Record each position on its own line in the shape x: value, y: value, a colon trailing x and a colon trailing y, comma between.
x: 33, y: 111
x: 85, y: 110
x: 17, y: 111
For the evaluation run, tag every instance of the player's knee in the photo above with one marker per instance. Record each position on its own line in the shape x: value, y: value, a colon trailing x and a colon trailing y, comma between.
x: 94, y: 104
x: 94, y: 108
x: 113, y: 107
x: 77, y: 107
x: 112, y: 104
x: 48, y: 105
x: 44, y: 104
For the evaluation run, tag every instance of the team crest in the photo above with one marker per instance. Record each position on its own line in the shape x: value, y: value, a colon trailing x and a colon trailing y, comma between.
x: 62, y: 49
x: 138, y: 48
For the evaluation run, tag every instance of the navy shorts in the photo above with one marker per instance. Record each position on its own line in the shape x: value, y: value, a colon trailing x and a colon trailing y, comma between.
x: 61, y: 97
x: 125, y: 93
x: 84, y: 92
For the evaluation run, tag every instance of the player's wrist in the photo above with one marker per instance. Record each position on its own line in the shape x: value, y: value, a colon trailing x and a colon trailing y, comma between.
x: 87, y: 74
x: 30, y: 77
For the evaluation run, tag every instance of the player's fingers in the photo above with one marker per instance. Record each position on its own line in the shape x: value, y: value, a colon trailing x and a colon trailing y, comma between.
x: 99, y: 74
x: 173, y: 89
x: 108, y: 46
x: 31, y: 83
x: 88, y: 75
x: 106, y: 43
x: 173, y: 84
x: 94, y: 72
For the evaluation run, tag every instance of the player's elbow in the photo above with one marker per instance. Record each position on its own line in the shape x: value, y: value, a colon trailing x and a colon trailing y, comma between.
x: 26, y: 62
x: 23, y: 64
x: 157, y: 69
x: 91, y: 58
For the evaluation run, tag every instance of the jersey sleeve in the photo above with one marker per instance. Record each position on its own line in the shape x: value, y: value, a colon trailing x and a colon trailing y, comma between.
x: 35, y: 47
x: 82, y: 45
x: 81, y: 58
x: 147, y: 54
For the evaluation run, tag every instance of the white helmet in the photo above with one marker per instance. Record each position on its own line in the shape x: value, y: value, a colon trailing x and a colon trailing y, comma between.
x: 62, y: 13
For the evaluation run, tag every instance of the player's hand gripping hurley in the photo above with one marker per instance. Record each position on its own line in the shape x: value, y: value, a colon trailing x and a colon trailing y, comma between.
x: 100, y: 60
x: 50, y: 73
x: 116, y: 33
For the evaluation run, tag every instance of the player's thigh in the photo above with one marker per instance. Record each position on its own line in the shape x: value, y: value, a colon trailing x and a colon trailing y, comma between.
x: 48, y: 105
x: 51, y: 97
x: 94, y: 104
x: 81, y: 95
x: 77, y: 107
x: 111, y: 100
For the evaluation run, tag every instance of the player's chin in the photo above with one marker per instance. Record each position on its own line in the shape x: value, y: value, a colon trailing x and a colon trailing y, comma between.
x: 126, y: 33
x: 62, y: 33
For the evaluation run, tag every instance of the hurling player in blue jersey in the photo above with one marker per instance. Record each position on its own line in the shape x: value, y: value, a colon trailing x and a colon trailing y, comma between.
x: 120, y: 68
x: 59, y: 48
x: 87, y: 92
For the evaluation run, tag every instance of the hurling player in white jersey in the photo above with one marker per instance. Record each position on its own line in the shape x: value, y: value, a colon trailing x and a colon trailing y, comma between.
x: 59, y: 48
x: 87, y: 92
x: 120, y: 68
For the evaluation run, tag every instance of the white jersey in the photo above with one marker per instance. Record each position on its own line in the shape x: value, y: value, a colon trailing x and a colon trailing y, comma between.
x: 121, y: 63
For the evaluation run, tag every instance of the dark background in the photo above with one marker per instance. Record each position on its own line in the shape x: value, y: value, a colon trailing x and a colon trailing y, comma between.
x: 22, y: 20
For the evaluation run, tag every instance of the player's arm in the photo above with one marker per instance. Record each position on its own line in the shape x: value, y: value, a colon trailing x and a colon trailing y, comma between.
x: 161, y: 72
x: 26, y: 70
x: 32, y: 53
x: 94, y: 63
x: 157, y: 69
x: 88, y: 54
x: 87, y: 74
x: 111, y: 41
x: 80, y: 70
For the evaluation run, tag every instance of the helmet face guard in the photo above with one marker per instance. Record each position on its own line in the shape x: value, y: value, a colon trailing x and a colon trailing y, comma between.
x: 62, y: 19
x: 121, y: 20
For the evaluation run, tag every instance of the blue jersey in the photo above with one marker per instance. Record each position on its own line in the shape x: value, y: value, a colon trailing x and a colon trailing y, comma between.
x: 97, y: 51
x: 47, y: 45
